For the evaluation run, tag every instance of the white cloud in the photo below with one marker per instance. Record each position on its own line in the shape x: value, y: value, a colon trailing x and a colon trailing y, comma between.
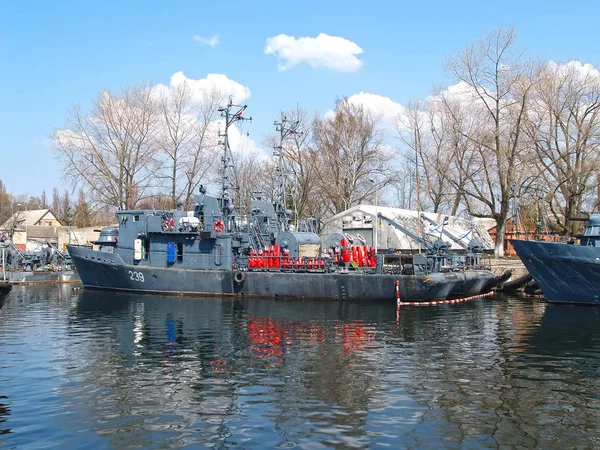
x: 390, y: 111
x: 465, y: 95
x: 332, y: 52
x: 212, y: 41
x: 460, y: 92
x: 217, y: 81
x: 378, y: 104
x: 576, y: 68
x: 239, y: 142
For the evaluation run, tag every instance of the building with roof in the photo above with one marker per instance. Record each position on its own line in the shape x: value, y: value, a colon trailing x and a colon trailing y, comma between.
x: 35, y: 217
x: 30, y: 230
x: 361, y: 220
x: 526, y: 231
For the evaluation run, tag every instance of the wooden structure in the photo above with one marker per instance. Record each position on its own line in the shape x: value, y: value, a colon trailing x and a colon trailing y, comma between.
x: 524, y: 231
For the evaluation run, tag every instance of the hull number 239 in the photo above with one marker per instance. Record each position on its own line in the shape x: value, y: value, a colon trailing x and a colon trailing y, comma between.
x: 136, y: 276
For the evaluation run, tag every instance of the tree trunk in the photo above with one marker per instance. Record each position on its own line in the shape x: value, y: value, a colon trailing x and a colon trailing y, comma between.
x: 500, y: 231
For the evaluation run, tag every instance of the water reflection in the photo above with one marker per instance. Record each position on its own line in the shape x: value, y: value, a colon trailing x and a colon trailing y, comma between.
x: 215, y: 361
x: 122, y: 370
x: 4, y: 413
x: 567, y: 330
x: 513, y: 377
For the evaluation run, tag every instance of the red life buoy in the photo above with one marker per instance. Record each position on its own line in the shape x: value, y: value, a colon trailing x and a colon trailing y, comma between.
x: 219, y: 226
x: 169, y: 224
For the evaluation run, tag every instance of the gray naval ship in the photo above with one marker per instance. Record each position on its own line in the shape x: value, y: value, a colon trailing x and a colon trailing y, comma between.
x: 566, y: 273
x: 212, y: 250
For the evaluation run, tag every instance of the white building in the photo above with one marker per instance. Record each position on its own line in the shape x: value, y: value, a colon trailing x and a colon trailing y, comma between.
x: 361, y: 220
x: 32, y: 229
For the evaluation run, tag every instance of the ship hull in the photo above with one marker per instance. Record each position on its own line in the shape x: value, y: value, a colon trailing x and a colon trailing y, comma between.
x: 99, y: 270
x: 5, y: 288
x: 565, y: 273
x: 22, y: 277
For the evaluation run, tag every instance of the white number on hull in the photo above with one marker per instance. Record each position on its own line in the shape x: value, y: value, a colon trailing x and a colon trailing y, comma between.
x: 136, y: 276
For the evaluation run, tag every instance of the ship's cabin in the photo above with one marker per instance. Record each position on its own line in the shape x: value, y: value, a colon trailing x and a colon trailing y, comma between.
x: 591, y: 235
x: 203, y: 238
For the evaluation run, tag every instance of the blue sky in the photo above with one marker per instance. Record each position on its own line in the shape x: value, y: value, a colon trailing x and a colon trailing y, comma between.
x: 57, y: 54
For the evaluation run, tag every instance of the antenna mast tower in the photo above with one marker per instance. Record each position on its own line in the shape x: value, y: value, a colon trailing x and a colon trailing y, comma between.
x: 287, y: 128
x: 232, y: 113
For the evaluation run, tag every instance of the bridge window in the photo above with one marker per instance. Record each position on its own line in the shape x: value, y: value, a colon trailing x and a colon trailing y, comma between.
x: 179, y: 252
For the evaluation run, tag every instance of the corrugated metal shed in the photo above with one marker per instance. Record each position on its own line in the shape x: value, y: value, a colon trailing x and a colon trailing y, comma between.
x: 361, y: 220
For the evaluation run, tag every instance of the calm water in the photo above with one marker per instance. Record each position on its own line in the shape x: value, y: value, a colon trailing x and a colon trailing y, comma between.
x: 96, y: 370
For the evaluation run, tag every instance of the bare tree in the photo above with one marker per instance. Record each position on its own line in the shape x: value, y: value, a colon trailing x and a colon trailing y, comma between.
x: 34, y: 202
x: 299, y: 164
x: 498, y: 85
x: 451, y: 157
x: 55, y: 205
x: 83, y: 216
x: 404, y: 186
x: 5, y: 204
x: 565, y: 129
x: 177, y: 131
x: 426, y: 133
x: 17, y: 220
x: 251, y: 177
x: 112, y: 153
x: 189, y: 138
x: 65, y: 206
x: 60, y: 204
x: 348, y: 149
x: 200, y: 157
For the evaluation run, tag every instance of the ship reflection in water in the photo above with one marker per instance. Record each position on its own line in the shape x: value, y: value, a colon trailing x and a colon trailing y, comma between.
x: 118, y: 370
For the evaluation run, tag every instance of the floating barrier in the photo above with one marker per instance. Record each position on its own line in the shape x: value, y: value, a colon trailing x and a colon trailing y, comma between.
x: 444, y: 302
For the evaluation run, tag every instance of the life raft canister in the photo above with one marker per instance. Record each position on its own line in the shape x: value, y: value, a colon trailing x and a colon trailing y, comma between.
x: 219, y: 226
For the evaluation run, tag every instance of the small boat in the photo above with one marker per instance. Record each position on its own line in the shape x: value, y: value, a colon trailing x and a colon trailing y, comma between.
x: 46, y: 265
x: 565, y: 272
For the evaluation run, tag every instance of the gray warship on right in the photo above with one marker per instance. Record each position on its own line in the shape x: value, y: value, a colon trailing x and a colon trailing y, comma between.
x: 214, y: 250
x: 566, y: 273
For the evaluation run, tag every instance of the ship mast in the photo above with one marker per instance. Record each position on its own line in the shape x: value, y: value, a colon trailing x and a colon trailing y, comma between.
x: 286, y: 128
x: 232, y: 113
